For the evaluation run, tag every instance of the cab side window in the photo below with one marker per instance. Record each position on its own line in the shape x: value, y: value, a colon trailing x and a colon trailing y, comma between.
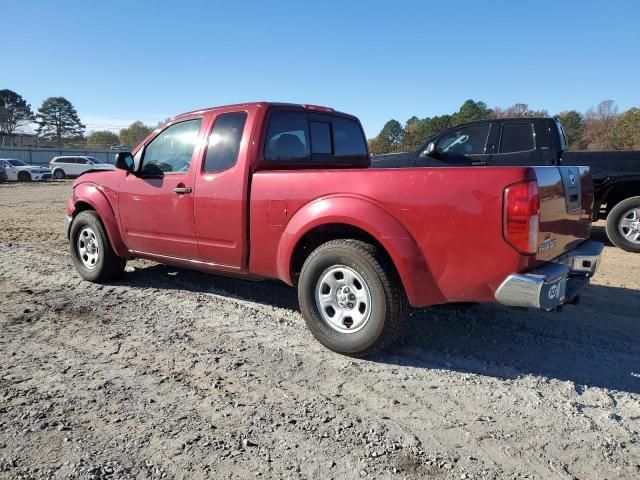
x: 224, y: 142
x: 172, y: 149
x: 287, y: 137
x: 517, y: 137
x: 470, y: 140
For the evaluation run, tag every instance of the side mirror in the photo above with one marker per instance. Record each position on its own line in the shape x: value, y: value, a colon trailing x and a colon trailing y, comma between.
x: 429, y: 151
x: 124, y: 161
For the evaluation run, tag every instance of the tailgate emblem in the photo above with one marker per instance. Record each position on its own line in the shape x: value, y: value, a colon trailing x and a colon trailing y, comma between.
x: 548, y: 244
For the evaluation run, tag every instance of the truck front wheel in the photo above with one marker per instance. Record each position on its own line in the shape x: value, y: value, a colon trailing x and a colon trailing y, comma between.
x: 91, y: 251
x: 623, y: 225
x: 351, y: 297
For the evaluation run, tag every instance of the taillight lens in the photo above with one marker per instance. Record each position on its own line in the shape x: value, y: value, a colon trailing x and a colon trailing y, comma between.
x: 522, y: 216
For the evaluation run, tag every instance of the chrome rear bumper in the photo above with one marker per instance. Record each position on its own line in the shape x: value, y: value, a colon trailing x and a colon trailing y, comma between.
x: 555, y: 283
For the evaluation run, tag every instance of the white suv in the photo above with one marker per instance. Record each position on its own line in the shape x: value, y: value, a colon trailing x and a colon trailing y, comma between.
x: 73, y: 166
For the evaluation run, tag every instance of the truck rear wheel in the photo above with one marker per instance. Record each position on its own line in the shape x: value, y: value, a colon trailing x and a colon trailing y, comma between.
x: 351, y: 297
x: 623, y: 225
x: 91, y: 251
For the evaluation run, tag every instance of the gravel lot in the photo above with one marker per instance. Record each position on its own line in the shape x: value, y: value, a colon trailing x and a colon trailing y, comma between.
x: 175, y: 374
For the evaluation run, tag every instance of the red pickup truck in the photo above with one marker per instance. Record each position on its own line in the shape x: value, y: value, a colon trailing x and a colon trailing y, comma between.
x: 281, y: 191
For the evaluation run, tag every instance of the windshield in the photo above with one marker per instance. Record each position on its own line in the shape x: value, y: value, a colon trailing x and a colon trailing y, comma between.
x: 94, y: 160
x: 17, y: 163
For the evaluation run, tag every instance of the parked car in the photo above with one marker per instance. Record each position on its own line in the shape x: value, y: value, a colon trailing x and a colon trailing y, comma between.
x: 17, y: 170
x: 73, y: 166
x: 539, y: 141
x: 285, y: 192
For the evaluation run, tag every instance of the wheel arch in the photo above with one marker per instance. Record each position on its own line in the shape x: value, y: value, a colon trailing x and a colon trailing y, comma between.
x: 359, y: 218
x: 89, y: 197
x: 24, y: 174
x: 620, y: 191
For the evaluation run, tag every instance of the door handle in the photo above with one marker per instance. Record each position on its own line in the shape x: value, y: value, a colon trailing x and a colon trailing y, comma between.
x: 182, y: 190
x: 479, y: 163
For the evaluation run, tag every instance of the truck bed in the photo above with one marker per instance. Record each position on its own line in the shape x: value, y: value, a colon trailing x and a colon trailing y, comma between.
x: 454, y: 217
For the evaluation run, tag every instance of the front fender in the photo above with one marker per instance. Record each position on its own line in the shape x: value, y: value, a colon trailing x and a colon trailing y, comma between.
x: 100, y: 199
x: 366, y: 215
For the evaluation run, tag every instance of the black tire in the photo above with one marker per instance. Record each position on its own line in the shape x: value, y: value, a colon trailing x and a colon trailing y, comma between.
x: 615, y: 217
x: 59, y: 174
x: 24, y: 177
x: 388, y: 300
x: 108, y: 265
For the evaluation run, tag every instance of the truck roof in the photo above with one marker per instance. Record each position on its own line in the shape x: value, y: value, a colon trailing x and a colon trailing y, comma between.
x: 263, y: 104
x: 501, y: 119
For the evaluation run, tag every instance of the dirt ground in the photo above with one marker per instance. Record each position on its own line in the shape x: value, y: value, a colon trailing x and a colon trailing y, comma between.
x: 168, y: 373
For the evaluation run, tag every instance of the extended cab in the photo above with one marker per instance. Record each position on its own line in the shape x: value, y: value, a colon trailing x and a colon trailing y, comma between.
x: 539, y: 141
x: 284, y: 191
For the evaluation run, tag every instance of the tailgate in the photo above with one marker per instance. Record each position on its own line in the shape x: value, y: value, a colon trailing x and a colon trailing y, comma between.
x: 566, y: 202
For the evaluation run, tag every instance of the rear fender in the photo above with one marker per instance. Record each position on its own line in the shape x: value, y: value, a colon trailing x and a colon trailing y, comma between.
x: 99, y: 199
x: 364, y: 214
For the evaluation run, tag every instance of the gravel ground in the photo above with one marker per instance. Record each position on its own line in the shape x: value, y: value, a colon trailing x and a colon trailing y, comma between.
x: 168, y: 373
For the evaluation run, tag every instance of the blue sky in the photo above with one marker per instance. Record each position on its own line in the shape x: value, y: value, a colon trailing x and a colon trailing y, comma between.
x: 119, y: 61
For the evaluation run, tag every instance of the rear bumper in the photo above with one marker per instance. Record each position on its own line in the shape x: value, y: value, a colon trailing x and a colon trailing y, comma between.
x: 555, y: 283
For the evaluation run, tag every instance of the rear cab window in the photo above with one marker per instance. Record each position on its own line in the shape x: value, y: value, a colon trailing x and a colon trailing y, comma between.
x: 314, y: 139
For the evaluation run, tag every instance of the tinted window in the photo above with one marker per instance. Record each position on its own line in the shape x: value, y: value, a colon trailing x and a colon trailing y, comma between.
x: 516, y: 137
x: 224, y: 142
x: 348, y: 138
x: 465, y: 141
x: 81, y: 160
x: 320, y: 137
x: 287, y: 137
x: 17, y: 163
x: 172, y: 149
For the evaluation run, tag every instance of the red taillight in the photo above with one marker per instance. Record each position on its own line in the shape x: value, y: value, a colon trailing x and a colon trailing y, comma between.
x: 522, y: 216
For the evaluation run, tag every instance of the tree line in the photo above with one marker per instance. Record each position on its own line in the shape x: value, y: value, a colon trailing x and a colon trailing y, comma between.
x: 599, y: 128
x: 57, y: 122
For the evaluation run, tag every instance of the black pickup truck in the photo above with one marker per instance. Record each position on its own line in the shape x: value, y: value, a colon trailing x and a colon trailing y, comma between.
x: 538, y: 141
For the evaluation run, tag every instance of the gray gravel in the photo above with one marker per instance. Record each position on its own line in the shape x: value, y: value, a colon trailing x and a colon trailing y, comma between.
x: 168, y: 373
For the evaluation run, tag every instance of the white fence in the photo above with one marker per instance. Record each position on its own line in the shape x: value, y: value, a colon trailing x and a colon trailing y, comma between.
x: 42, y: 156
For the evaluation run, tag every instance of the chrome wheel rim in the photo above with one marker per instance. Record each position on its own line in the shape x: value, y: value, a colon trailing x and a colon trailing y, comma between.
x: 629, y: 225
x: 88, y: 248
x: 343, y: 299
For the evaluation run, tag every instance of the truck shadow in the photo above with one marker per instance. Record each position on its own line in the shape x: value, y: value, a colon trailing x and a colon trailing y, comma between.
x: 593, y: 344
x: 596, y: 344
x: 599, y: 233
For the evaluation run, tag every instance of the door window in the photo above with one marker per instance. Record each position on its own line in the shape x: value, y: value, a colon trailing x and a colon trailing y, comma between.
x: 470, y: 140
x: 172, y: 149
x: 224, y: 142
x: 517, y: 137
